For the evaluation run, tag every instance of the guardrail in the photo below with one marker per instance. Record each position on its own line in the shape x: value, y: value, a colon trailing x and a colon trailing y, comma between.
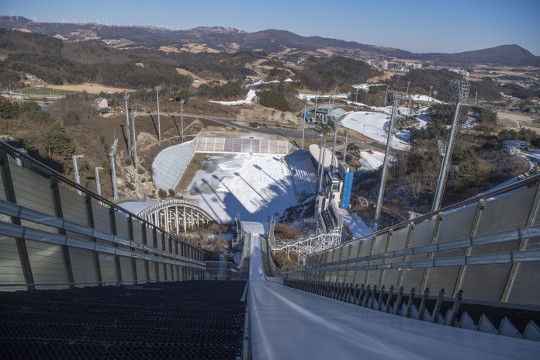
x: 51, y: 236
x: 488, y: 246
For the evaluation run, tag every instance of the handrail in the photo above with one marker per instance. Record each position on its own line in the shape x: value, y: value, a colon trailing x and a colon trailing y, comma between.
x: 504, y: 190
x: 15, y: 210
x: 53, y: 173
x: 524, y: 233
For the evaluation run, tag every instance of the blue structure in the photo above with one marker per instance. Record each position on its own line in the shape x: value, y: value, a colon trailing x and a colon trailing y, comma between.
x: 347, y: 188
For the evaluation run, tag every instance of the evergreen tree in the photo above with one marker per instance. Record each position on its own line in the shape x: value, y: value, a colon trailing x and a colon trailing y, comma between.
x: 57, y: 141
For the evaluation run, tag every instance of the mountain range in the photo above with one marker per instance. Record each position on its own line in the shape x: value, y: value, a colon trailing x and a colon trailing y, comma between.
x: 279, y: 43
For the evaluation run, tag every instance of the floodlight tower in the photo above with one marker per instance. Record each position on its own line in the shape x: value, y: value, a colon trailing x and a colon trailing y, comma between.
x: 126, y: 98
x: 461, y: 92
x: 113, y: 169
x: 135, y: 157
x: 98, y: 183
x: 335, y: 125
x: 322, y: 149
x: 345, y: 148
x: 76, y: 168
x: 182, y: 118
x: 304, y: 121
x: 316, y: 105
x: 158, y: 119
x: 395, y: 101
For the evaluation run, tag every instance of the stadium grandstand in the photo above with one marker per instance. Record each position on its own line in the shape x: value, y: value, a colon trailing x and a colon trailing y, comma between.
x: 170, y: 164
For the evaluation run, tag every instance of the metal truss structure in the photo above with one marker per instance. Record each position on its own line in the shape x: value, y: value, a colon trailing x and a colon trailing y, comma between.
x: 314, y: 244
x: 176, y: 215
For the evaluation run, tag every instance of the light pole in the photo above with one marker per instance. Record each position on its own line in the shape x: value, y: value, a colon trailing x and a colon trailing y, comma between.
x: 345, y: 147
x: 316, y: 104
x: 76, y: 168
x: 385, y: 163
x: 304, y: 120
x: 113, y: 169
x: 98, y: 183
x: 335, y: 125
x: 182, y: 118
x: 158, y: 119
x: 135, y: 158
x: 126, y: 98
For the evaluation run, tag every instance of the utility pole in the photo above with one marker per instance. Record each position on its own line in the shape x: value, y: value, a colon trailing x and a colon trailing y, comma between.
x: 98, y: 183
x: 158, y: 119
x: 322, y: 147
x: 113, y: 169
x: 182, y: 118
x: 463, y: 93
x: 385, y: 163
x: 316, y: 100
x: 135, y: 158
x: 334, y: 123
x: 76, y: 168
x: 345, y: 148
x: 126, y: 98
x: 304, y: 120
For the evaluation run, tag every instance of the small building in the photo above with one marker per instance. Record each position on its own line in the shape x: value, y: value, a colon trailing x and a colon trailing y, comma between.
x: 515, y: 146
x: 102, y: 105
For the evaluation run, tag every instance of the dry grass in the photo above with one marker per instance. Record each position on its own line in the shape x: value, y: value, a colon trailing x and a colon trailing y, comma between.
x: 89, y: 88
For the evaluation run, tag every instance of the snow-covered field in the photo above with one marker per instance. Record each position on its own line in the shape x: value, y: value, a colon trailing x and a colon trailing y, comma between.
x: 253, y: 187
x: 247, y: 101
x: 371, y: 161
x: 311, y: 97
x: 357, y: 226
x: 375, y: 126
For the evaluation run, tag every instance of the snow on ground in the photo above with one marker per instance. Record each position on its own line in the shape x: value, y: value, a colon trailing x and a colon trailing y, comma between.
x: 261, y: 82
x: 357, y: 226
x: 425, y: 98
x: 311, y: 97
x: 469, y: 123
x: 247, y: 101
x: 371, y: 161
x: 253, y: 187
x: 365, y: 86
x: 373, y: 126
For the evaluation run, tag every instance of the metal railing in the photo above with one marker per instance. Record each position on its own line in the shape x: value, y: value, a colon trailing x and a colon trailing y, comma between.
x: 51, y: 236
x: 488, y: 246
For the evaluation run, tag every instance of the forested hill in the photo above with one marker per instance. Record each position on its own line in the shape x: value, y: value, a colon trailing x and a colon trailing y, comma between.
x: 273, y: 42
x: 510, y: 55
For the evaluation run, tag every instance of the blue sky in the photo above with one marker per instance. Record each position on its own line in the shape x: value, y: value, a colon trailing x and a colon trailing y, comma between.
x: 414, y: 25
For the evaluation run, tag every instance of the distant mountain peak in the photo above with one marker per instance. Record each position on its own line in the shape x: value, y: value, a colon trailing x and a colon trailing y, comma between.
x: 273, y: 41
